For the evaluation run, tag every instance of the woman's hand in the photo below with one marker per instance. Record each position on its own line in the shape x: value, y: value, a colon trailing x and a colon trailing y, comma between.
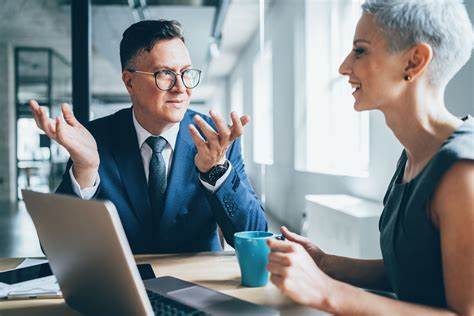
x: 313, y: 250
x: 297, y: 275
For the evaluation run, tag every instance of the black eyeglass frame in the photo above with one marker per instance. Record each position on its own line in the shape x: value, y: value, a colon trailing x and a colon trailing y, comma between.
x: 155, y: 75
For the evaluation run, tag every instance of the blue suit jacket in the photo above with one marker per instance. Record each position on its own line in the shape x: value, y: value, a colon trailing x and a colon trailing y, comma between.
x: 191, y: 213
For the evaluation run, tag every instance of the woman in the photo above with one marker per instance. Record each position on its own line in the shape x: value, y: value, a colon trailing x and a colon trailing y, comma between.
x: 404, y: 54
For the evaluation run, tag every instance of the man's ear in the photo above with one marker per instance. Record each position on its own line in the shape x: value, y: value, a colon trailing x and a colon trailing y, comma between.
x: 418, y: 59
x: 127, y: 80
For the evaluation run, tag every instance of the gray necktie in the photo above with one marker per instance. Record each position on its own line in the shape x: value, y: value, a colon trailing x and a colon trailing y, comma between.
x: 157, y: 177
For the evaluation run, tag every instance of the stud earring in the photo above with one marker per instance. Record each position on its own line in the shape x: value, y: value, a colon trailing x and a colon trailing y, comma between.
x: 407, y: 78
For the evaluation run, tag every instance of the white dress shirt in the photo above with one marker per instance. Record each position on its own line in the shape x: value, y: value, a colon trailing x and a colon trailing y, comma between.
x: 170, y: 136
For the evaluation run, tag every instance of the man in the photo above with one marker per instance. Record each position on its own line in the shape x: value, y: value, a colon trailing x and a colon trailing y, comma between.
x: 171, y: 183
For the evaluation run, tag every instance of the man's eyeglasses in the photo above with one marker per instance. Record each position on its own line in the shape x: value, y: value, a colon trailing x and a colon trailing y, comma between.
x: 165, y: 79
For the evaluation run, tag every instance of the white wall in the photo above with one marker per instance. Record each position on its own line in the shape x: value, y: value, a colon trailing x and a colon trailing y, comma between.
x: 460, y: 90
x: 285, y: 188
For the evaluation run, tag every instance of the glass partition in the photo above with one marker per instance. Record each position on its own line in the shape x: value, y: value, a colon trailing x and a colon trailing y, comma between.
x: 43, y: 75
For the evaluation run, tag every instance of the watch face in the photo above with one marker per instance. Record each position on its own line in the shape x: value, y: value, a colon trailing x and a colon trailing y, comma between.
x: 216, y: 172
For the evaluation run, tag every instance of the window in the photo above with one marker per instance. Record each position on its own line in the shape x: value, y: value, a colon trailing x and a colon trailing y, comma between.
x: 263, y: 107
x: 237, y: 97
x: 335, y: 137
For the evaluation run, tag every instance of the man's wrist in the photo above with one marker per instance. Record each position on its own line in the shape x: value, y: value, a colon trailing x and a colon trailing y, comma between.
x: 204, y: 169
x: 215, y: 173
x: 85, y: 177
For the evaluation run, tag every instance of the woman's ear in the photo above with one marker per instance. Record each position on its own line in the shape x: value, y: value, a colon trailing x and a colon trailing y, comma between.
x: 418, y: 58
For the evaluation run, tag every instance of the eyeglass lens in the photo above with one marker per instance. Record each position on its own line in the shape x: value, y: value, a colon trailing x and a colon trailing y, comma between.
x: 166, y: 79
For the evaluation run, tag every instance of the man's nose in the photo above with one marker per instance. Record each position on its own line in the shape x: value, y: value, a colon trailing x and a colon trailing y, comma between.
x: 179, y: 85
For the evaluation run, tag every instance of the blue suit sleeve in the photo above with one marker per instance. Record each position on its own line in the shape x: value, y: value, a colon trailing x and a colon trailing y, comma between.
x: 65, y: 187
x: 235, y: 204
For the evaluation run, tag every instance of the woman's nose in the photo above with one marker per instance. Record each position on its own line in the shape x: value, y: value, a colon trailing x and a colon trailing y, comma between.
x: 344, y: 68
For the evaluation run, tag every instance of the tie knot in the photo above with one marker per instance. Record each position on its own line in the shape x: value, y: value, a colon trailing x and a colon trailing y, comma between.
x: 157, y: 144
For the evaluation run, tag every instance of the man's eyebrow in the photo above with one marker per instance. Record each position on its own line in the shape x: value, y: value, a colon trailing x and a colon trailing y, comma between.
x: 159, y: 66
x: 360, y: 40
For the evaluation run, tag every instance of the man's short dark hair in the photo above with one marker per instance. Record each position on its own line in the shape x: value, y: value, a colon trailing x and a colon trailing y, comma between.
x: 144, y: 35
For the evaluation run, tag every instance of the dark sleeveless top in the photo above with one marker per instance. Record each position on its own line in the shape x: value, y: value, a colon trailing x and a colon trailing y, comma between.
x: 409, y: 242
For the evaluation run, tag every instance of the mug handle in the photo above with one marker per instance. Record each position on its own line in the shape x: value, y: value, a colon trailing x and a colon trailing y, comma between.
x: 280, y: 237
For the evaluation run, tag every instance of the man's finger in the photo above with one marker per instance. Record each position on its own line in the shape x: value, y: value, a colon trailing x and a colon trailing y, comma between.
x: 244, y: 120
x: 59, y: 131
x: 68, y: 115
x: 237, y: 127
x: 34, y: 106
x: 46, y: 124
x: 207, y: 130
x: 37, y: 113
x: 200, y: 143
x: 222, y: 128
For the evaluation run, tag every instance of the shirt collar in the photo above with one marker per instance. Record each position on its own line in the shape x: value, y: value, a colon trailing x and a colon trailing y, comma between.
x: 169, y: 135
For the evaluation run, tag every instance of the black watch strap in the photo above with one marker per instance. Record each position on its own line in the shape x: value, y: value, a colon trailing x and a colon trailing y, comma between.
x: 215, y: 173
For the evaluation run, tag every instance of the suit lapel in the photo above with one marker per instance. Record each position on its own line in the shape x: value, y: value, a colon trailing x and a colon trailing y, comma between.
x: 182, y: 171
x: 130, y: 165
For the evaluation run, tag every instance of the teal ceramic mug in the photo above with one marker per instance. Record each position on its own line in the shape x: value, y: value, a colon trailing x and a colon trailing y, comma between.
x: 252, y: 253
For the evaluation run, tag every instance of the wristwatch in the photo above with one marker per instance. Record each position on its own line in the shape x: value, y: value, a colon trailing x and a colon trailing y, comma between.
x: 214, y: 173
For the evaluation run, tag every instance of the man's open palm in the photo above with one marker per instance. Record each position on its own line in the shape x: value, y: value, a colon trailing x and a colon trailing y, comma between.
x: 70, y: 134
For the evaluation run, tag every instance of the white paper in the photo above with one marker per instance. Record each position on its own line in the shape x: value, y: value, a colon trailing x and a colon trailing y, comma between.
x: 37, y: 287
x: 46, y: 286
x: 30, y: 262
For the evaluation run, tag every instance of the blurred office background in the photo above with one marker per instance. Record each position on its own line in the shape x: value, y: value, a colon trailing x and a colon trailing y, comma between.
x: 319, y: 167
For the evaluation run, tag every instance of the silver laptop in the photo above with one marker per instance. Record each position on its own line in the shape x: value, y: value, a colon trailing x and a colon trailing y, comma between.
x: 90, y: 256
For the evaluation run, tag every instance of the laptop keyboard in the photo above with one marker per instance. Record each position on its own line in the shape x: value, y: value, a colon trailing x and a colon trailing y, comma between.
x: 164, y: 306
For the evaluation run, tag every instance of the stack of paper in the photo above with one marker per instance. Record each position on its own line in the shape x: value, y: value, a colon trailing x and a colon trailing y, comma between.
x: 46, y: 287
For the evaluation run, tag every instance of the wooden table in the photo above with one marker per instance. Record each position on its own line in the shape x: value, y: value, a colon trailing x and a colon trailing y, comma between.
x: 219, y: 271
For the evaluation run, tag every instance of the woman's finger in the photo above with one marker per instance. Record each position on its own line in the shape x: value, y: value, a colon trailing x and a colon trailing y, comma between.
x: 293, y: 236
x: 277, y: 280
x: 277, y: 269
x: 280, y: 258
x: 280, y: 245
